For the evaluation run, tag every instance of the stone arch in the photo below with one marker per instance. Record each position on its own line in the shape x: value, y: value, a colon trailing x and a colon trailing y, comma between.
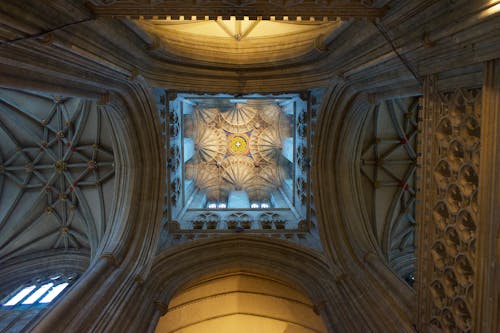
x: 343, y: 221
x: 308, y: 270
x: 242, y: 301
x: 131, y: 240
x: 133, y: 230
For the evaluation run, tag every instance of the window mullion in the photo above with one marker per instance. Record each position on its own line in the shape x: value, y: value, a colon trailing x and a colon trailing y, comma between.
x: 37, y: 286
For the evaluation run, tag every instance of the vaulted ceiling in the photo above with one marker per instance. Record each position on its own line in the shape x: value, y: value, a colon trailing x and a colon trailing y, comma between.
x: 57, y: 153
x: 388, y: 168
x: 238, y: 147
x: 56, y: 172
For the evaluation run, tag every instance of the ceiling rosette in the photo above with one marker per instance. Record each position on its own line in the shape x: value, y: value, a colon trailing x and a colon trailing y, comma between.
x: 237, y: 147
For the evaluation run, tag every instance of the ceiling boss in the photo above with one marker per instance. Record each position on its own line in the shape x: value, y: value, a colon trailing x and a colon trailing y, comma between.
x: 238, y: 144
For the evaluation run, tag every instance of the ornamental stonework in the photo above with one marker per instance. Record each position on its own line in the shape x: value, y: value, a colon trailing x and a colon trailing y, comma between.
x: 450, y: 209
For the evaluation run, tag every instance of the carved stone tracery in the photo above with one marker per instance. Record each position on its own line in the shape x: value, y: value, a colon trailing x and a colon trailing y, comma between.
x: 454, y: 216
x: 238, y: 146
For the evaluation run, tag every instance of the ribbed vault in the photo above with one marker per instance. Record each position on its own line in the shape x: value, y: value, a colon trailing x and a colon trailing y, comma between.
x: 235, y: 42
x: 56, y: 172
x: 64, y: 47
x: 238, y: 147
x: 388, y: 165
x: 239, y: 118
x: 210, y: 144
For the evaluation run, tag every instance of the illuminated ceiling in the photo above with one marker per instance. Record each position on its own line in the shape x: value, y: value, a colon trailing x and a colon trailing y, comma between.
x: 236, y: 163
x: 237, y: 42
x: 238, y: 147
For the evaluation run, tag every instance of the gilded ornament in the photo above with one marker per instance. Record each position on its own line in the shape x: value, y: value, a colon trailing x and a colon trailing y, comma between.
x: 60, y: 166
x: 238, y: 145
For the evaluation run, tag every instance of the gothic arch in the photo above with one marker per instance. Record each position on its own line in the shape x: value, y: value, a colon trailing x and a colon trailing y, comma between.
x: 176, y: 267
x: 131, y: 239
x: 240, y: 301
x: 343, y: 221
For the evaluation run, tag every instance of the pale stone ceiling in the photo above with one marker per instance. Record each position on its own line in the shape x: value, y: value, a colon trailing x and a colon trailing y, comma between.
x: 238, y: 147
x: 388, y: 166
x: 243, y: 303
x: 241, y: 42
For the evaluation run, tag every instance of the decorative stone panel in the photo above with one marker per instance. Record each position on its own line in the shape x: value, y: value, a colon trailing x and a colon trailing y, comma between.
x: 449, y: 209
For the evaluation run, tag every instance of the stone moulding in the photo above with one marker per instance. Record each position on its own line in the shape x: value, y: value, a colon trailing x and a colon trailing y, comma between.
x: 449, y: 208
x: 267, y: 10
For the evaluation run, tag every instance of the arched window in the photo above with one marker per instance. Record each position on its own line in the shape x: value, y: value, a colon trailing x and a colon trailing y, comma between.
x: 29, y: 299
x: 214, y: 205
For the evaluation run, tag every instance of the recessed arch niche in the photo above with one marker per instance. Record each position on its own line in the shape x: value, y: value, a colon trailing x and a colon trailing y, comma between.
x: 240, y: 302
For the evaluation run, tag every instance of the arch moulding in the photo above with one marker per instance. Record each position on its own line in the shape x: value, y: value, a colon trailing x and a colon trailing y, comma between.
x: 385, y: 301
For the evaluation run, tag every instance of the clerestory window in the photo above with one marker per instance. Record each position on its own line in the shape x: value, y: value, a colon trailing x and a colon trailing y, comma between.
x: 29, y: 299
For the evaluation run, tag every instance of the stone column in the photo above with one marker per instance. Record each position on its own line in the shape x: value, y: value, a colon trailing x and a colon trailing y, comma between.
x: 487, y: 314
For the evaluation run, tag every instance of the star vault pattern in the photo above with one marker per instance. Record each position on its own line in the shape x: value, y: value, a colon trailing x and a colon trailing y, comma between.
x: 55, y: 160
